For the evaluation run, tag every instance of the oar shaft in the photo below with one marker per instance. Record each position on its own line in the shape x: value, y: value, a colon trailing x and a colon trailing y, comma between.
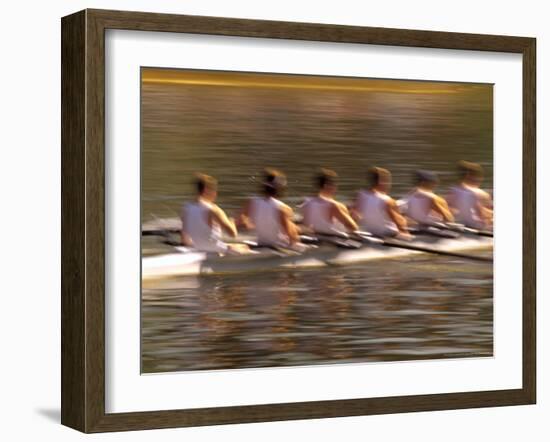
x: 366, y: 238
x: 404, y: 245
x: 464, y: 229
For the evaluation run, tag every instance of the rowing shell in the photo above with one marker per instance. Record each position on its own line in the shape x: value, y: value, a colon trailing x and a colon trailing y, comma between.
x: 187, y: 261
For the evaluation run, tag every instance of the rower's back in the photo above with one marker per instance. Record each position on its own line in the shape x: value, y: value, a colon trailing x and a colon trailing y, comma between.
x: 204, y: 235
x: 419, y: 206
x: 265, y: 213
x: 373, y: 211
x: 317, y: 213
x: 465, y: 201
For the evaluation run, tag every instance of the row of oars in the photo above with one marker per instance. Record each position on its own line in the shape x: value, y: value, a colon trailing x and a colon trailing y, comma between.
x: 357, y: 239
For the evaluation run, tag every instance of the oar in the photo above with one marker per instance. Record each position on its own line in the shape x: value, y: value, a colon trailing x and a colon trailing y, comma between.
x: 461, y: 228
x: 403, y: 245
x: 368, y: 238
x: 158, y: 232
x: 163, y: 232
x: 434, y: 231
x: 160, y: 226
x: 487, y: 233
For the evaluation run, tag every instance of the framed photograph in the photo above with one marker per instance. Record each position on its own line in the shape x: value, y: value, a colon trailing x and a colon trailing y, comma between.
x: 267, y: 221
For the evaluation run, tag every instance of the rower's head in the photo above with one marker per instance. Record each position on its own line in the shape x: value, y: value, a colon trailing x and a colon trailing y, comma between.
x: 327, y: 181
x: 470, y: 173
x: 426, y: 179
x: 273, y: 183
x: 207, y: 186
x: 379, y: 179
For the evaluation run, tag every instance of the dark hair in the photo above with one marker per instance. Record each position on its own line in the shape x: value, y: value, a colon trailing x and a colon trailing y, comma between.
x: 203, y: 182
x: 326, y: 177
x: 426, y: 176
x: 274, y: 182
x: 378, y: 175
x: 466, y: 168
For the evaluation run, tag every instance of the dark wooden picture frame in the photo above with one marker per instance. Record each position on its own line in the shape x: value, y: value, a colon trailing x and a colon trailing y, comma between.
x: 83, y: 220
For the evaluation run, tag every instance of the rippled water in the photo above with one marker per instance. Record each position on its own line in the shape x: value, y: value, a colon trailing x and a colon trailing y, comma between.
x: 406, y: 309
x: 413, y: 308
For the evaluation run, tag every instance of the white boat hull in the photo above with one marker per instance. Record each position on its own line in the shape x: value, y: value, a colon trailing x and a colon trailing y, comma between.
x: 189, y: 262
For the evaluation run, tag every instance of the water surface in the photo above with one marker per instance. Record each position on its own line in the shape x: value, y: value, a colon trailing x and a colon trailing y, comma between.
x: 413, y: 308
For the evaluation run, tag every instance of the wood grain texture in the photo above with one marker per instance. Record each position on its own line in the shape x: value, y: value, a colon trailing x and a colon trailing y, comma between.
x: 73, y: 212
x: 83, y: 220
x: 529, y: 220
x: 306, y: 31
x: 95, y: 221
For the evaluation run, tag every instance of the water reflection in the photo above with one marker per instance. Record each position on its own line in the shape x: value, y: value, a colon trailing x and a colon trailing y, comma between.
x: 367, y: 313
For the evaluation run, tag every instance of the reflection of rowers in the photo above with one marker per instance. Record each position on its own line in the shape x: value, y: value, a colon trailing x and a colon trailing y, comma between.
x: 270, y: 217
x: 202, y: 221
x: 322, y: 213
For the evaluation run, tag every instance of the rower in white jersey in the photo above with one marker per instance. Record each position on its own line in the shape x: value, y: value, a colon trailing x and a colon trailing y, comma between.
x: 471, y: 205
x: 202, y: 221
x: 423, y: 206
x: 268, y: 216
x: 375, y: 211
x: 322, y: 213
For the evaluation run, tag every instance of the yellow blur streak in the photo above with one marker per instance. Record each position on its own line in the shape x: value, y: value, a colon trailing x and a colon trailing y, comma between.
x: 289, y: 81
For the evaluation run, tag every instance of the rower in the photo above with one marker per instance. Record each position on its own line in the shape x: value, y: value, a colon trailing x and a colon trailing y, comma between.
x: 202, y: 221
x: 423, y: 206
x: 376, y: 211
x: 270, y: 217
x: 322, y: 213
x: 471, y: 205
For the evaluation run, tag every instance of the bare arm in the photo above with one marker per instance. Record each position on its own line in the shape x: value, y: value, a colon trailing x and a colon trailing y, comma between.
x: 227, y: 225
x: 354, y: 209
x: 244, y: 217
x: 485, y: 208
x: 395, y: 216
x: 439, y: 205
x: 341, y: 213
x: 486, y: 201
x: 290, y: 229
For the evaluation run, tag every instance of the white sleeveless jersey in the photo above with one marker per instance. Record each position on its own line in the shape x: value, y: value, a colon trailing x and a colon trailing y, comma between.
x: 205, y: 237
x: 419, y: 207
x: 317, y: 216
x: 374, y: 215
x: 465, y: 199
x: 264, y: 213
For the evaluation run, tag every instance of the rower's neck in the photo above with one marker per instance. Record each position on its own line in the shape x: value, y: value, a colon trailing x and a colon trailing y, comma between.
x: 202, y: 199
x: 377, y: 190
x: 425, y: 188
x: 469, y: 185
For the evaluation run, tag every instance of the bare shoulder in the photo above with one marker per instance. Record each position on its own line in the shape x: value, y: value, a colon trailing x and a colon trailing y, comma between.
x: 437, y: 198
x: 486, y: 195
x: 338, y: 205
x: 286, y: 209
x: 217, y: 210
